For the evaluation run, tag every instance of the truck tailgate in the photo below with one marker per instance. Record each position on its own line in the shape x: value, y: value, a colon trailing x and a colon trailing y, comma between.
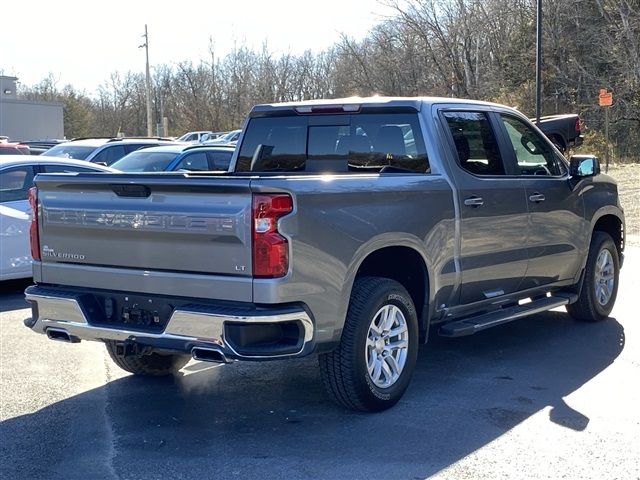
x: 146, y: 223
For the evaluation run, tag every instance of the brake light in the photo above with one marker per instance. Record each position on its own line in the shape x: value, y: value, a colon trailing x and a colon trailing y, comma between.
x: 270, y: 249
x: 34, y: 238
x: 577, y: 125
x: 328, y: 109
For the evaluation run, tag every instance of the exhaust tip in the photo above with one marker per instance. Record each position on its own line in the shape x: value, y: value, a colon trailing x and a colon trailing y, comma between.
x: 204, y: 354
x: 61, y: 335
x: 29, y: 322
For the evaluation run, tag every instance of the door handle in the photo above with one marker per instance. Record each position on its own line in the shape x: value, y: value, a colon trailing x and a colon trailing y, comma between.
x: 474, y: 202
x: 536, y: 197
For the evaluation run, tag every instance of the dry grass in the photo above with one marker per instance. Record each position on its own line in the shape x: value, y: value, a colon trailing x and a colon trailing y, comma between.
x: 628, y: 178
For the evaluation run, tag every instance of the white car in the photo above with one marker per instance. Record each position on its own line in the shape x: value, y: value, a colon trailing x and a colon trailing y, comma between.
x: 194, y: 137
x: 16, y: 177
x: 230, y: 137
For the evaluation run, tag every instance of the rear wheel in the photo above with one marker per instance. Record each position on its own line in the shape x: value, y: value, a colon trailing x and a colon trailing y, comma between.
x: 373, y: 364
x: 600, y: 285
x: 559, y: 144
x: 152, y: 364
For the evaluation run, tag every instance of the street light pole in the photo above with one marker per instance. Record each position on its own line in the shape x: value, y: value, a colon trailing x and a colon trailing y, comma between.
x: 148, y: 81
x: 538, y: 60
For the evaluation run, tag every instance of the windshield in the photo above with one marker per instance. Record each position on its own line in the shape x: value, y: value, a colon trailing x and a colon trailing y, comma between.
x: 70, y: 151
x: 145, y: 161
x: 230, y: 136
x: 209, y: 136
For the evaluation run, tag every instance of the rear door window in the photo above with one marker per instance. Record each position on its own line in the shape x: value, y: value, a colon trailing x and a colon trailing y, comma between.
x: 475, y: 143
x: 341, y: 143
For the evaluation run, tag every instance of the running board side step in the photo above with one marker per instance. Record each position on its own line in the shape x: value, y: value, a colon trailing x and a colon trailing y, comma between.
x: 471, y: 325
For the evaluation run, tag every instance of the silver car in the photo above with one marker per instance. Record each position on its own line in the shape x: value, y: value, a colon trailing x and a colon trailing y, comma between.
x: 16, y: 177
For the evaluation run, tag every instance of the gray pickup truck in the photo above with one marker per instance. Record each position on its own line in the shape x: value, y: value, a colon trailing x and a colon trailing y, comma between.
x: 349, y: 228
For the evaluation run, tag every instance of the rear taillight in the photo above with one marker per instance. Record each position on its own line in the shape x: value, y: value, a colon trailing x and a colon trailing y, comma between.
x: 270, y: 249
x: 34, y: 238
x: 578, y: 125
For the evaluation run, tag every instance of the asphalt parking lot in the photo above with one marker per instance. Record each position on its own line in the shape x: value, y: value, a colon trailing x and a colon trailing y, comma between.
x: 543, y: 397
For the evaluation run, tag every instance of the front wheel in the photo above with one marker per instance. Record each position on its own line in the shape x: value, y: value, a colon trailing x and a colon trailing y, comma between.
x: 600, y: 285
x: 373, y: 364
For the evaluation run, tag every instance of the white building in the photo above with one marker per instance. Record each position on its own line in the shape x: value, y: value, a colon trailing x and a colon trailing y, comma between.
x: 26, y: 119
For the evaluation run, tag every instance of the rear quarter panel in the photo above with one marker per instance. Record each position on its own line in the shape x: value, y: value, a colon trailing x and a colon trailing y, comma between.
x: 338, y: 220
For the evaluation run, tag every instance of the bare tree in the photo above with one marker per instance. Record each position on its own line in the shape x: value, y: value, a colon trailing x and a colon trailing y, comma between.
x: 481, y: 49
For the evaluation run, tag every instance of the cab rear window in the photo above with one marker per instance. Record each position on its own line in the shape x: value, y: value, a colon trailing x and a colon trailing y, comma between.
x: 334, y: 143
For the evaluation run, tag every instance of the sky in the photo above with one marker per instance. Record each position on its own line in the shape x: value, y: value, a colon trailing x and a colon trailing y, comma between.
x: 82, y: 42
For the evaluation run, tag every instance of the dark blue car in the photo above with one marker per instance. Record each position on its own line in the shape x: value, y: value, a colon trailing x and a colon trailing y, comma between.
x: 176, y: 157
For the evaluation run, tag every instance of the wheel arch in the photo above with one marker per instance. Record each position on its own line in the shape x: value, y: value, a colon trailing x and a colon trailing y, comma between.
x: 558, y: 140
x: 405, y: 264
x: 611, y: 223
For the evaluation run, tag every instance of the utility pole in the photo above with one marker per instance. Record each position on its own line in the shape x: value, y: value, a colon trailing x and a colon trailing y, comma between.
x: 160, y: 130
x: 606, y: 138
x: 145, y: 45
x: 538, y: 60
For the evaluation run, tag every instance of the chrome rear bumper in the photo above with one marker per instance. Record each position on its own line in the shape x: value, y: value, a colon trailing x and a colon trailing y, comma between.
x: 200, y: 326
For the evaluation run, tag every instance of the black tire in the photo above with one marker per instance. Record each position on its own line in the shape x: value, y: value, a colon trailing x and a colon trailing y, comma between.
x: 151, y: 365
x: 588, y: 308
x: 344, y: 370
x: 559, y: 144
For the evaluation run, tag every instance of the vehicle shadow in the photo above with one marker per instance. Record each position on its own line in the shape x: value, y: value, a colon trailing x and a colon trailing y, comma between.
x: 274, y: 420
x: 12, y: 294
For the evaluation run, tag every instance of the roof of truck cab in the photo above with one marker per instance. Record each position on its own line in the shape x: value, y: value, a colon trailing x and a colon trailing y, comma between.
x: 382, y: 102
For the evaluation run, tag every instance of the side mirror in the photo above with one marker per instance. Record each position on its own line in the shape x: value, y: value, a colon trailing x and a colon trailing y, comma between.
x: 584, y: 166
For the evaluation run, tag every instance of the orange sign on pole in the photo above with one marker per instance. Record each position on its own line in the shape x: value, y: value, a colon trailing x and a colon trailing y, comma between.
x: 605, y: 99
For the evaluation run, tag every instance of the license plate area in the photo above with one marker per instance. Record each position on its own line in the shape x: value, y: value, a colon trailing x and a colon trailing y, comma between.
x: 126, y: 311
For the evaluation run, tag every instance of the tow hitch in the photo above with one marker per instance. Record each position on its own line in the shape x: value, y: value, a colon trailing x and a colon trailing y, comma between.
x: 130, y: 348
